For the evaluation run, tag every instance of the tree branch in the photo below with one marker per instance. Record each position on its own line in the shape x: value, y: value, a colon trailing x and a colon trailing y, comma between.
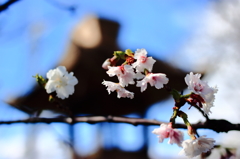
x: 7, y: 4
x: 215, y: 125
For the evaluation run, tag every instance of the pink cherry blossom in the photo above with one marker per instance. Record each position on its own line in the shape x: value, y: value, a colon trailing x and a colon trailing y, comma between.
x: 201, y: 88
x: 166, y: 131
x: 154, y: 79
x: 121, y: 92
x: 124, y: 73
x: 193, y: 148
x: 143, y: 62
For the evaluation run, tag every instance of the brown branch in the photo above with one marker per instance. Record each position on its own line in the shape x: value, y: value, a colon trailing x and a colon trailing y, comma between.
x: 220, y: 125
x: 87, y: 119
x: 215, y: 125
x: 117, y: 119
x: 7, y: 4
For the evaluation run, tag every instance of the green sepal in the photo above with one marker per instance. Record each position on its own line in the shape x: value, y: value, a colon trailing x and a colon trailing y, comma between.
x: 40, y: 80
x: 146, y: 71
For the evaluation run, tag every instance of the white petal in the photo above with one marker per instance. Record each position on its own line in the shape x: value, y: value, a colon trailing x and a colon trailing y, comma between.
x: 62, y: 93
x: 61, y: 70
x: 50, y: 86
x: 50, y: 74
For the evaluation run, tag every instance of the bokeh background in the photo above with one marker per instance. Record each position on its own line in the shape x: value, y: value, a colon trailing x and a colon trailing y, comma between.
x: 35, y: 36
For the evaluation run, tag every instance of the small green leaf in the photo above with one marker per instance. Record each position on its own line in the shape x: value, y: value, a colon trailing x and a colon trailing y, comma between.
x: 176, y: 95
x: 119, y: 54
x: 129, y: 52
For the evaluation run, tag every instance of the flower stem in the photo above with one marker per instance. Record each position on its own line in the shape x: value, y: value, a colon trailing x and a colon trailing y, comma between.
x: 191, y: 131
x: 186, y: 95
x: 174, y: 115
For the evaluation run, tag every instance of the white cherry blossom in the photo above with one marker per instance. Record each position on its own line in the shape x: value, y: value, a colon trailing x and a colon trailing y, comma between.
x: 166, y: 131
x: 124, y: 73
x: 201, y: 88
x: 143, y: 62
x: 121, y: 92
x: 193, y: 148
x: 61, y: 81
x: 154, y: 79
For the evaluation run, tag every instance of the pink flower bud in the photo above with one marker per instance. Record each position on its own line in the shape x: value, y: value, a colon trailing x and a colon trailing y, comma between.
x: 106, y: 63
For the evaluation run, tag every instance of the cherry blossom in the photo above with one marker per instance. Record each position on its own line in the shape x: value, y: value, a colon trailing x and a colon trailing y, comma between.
x: 143, y: 62
x: 124, y: 73
x: 121, y: 92
x: 166, y: 131
x: 193, y: 148
x: 201, y: 88
x: 61, y: 81
x: 154, y: 79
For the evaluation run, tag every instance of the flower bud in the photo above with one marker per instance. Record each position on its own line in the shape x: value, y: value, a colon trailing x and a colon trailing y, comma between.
x: 106, y: 63
x: 51, y: 98
x: 40, y: 80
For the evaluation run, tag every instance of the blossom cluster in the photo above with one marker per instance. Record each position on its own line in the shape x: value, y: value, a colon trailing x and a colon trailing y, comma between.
x: 203, y: 96
x: 137, y: 67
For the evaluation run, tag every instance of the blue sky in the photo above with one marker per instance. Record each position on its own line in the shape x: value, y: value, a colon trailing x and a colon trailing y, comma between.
x: 34, y: 35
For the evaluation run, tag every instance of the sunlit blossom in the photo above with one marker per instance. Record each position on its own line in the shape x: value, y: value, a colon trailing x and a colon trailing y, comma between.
x: 166, y: 131
x: 143, y: 62
x: 121, y: 92
x: 61, y: 81
x: 124, y: 73
x: 197, y: 86
x: 154, y: 79
x: 193, y: 148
